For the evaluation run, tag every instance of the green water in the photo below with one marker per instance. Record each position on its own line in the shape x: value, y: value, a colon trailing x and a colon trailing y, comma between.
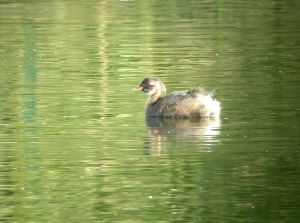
x: 74, y: 145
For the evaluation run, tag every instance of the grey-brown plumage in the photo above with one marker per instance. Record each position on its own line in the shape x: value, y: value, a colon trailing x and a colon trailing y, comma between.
x: 183, y: 104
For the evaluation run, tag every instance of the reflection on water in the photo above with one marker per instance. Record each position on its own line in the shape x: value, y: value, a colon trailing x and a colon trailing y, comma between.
x: 160, y: 129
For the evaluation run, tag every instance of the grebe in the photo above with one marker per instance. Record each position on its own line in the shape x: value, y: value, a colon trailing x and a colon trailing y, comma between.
x: 182, y: 104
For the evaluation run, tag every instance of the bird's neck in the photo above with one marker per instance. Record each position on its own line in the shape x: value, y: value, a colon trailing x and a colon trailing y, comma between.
x: 152, y: 99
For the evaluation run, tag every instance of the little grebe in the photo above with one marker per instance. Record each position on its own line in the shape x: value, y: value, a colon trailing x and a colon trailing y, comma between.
x: 182, y: 104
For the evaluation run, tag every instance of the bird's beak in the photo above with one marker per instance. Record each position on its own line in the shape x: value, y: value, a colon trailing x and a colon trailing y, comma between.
x: 137, y: 89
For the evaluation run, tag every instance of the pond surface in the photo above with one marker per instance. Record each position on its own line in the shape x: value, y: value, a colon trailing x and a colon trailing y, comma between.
x: 74, y: 144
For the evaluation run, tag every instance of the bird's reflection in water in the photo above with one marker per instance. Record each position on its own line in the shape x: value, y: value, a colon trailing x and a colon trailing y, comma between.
x: 161, y: 130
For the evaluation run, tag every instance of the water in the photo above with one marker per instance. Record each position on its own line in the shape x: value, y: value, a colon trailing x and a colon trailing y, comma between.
x: 74, y: 145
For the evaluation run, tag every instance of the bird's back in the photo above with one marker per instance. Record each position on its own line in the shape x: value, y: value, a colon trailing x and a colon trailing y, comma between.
x: 191, y: 103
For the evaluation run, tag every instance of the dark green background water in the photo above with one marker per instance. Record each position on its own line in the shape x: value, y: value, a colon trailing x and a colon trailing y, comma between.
x: 74, y: 145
